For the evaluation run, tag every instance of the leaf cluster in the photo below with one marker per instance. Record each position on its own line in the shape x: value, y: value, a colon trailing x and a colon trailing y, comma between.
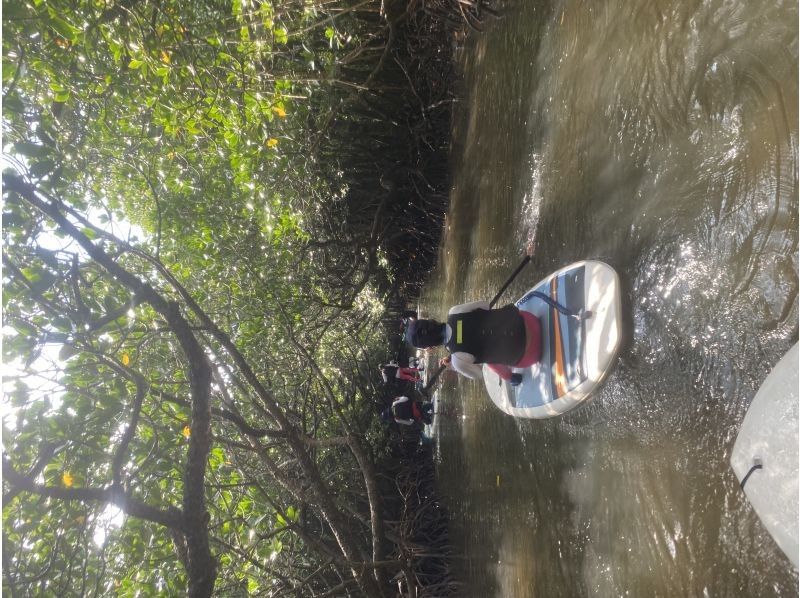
x: 229, y: 158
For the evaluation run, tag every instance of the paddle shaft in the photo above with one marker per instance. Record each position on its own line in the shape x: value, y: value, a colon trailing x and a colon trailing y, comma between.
x: 430, y: 382
x: 510, y: 279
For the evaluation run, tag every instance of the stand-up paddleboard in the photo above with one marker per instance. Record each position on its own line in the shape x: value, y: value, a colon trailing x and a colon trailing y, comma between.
x: 577, y: 354
x: 765, y: 454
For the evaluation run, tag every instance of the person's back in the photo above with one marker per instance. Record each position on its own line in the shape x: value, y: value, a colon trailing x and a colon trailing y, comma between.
x: 403, y: 408
x: 389, y: 372
x: 474, y: 335
x: 407, y: 411
x: 490, y: 336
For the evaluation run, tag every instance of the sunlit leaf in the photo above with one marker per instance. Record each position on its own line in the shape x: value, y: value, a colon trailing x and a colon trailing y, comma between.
x: 62, y: 26
x: 67, y: 479
x: 281, y: 35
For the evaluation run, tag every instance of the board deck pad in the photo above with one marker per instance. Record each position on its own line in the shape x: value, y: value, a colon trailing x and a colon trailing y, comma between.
x: 576, y: 353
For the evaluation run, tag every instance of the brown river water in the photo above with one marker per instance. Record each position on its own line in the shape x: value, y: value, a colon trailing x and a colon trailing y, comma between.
x: 661, y: 137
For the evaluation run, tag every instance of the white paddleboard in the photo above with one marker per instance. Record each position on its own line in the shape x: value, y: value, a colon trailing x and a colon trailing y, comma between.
x: 765, y: 455
x: 576, y: 354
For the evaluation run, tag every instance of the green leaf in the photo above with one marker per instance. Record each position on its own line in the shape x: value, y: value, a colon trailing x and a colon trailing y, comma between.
x: 281, y: 35
x: 31, y: 150
x: 42, y: 167
x: 19, y: 396
x: 15, y: 10
x: 258, y: 520
x: 61, y: 26
x: 9, y: 71
x: 43, y: 280
x: 13, y: 103
x: 135, y: 64
x: 66, y: 352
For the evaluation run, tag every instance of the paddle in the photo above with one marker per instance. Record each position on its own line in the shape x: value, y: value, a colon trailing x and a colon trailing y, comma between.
x: 584, y: 315
x: 510, y: 279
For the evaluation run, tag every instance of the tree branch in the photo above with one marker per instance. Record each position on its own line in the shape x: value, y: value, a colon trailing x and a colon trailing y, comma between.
x: 130, y: 431
x: 46, y: 452
x: 171, y: 518
x: 202, y: 567
x: 236, y: 419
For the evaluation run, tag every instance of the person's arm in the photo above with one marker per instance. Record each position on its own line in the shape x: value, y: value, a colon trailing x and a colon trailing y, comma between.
x: 464, y: 364
x: 467, y: 307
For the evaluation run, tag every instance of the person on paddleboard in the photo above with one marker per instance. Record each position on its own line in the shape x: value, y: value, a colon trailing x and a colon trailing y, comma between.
x: 407, y: 412
x: 475, y: 334
x: 406, y: 317
x: 392, y: 371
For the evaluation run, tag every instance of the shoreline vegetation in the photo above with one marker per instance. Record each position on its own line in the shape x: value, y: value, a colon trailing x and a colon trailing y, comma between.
x: 214, y: 214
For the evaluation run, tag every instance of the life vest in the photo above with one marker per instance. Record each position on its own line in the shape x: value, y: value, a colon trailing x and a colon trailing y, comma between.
x: 405, y: 410
x: 389, y: 372
x: 491, y: 336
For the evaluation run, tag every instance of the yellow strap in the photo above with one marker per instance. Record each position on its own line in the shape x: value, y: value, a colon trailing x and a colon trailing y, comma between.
x: 458, y: 331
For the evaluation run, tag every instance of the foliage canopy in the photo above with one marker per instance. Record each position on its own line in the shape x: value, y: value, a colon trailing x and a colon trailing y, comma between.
x: 208, y: 208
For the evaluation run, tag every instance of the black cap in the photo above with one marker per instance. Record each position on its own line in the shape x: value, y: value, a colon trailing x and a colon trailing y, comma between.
x: 425, y: 333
